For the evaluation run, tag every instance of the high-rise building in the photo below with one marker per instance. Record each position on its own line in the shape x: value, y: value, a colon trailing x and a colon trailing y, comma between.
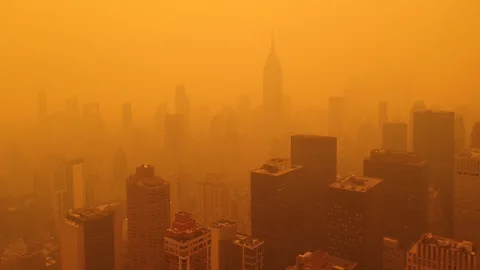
x: 273, y: 91
x: 320, y: 260
x: 276, y: 196
x: 436, y: 252
x: 215, y: 200
x: 118, y: 212
x: 405, y: 180
x: 318, y: 157
x: 393, y: 255
x: 418, y: 106
x: 127, y: 116
x: 250, y: 252
x: 475, y: 136
x: 232, y: 250
x: 240, y: 211
x: 87, y: 240
x: 459, y: 136
x: 394, y: 137
x: 434, y: 140
x: 336, y: 116
x: 148, y: 215
x: 467, y: 201
x: 70, y: 187
x: 120, y: 172
x: 21, y: 256
x: 187, y: 244
x: 382, y: 114
x: 354, y: 222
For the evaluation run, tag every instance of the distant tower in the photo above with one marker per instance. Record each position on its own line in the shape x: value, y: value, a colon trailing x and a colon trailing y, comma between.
x: 148, y: 215
x: 273, y: 91
x: 459, y: 134
x: 127, y: 116
x: 120, y: 172
x: 42, y: 105
x: 182, y: 104
x: 70, y: 187
x: 475, y: 136
x: 419, y: 105
x: 88, y: 242
x: 214, y: 200
x: 382, y: 114
x: 187, y: 244
x: 175, y: 137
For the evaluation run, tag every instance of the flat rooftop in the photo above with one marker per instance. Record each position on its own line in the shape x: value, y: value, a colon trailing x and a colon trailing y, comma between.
x: 387, y: 156
x: 277, y: 166
x: 222, y: 223
x: 356, y: 183
x: 469, y: 153
x: 85, y: 214
x: 247, y: 241
x: 443, y: 243
x: 313, y: 137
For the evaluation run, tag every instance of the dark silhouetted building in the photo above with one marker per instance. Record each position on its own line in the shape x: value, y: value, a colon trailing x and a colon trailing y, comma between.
x: 467, y: 201
x: 354, y: 222
x: 417, y: 106
x: 276, y: 198
x: 273, y: 92
x: 87, y: 240
x: 394, y: 137
x: 187, y: 244
x: 434, y: 141
x: 148, y: 215
x: 405, y: 181
x: 319, y: 260
x: 318, y: 157
x: 436, y: 252
x: 118, y: 212
x: 475, y: 136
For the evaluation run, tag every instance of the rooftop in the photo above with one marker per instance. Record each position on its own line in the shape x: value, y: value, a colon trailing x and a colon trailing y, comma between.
x: 185, y: 228
x: 444, y: 243
x: 470, y: 153
x: 396, y: 157
x: 222, y: 223
x: 356, y: 183
x: 277, y: 166
x: 313, y: 137
x: 319, y: 260
x: 247, y: 241
x: 212, y: 180
x: 390, y: 242
x: 83, y: 215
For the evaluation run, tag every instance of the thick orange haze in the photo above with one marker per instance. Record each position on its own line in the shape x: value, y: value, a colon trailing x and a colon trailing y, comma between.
x: 116, y: 51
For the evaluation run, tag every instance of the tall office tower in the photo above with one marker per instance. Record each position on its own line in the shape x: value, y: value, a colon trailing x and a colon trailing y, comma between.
x: 320, y: 260
x: 459, y: 136
x: 405, y: 181
x: 42, y: 105
x: 175, y: 138
x: 21, y: 256
x: 355, y: 215
x: 434, y: 140
x: 436, y: 252
x: 273, y: 92
x: 118, y: 212
x: 240, y: 211
x: 475, y: 136
x: 318, y: 157
x: 127, y: 116
x: 148, y: 215
x: 394, y: 137
x: 418, y: 106
x: 69, y: 187
x: 382, y: 114
x: 215, y: 200
x: 187, y: 244
x: 87, y: 240
x: 120, y: 173
x: 393, y: 255
x: 467, y: 202
x: 250, y: 252
x: 276, y: 197
x: 223, y: 233
x: 336, y: 116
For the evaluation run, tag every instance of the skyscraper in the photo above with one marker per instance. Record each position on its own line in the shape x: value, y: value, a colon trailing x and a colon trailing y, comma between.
x: 434, y: 140
x: 118, y: 213
x: 69, y: 187
x: 437, y: 252
x: 382, y: 114
x: 120, y: 172
x: 318, y: 157
x: 127, y: 116
x: 250, y: 251
x: 273, y: 91
x: 187, y: 244
x: 148, y: 215
x: 215, y: 200
x: 354, y: 221
x: 467, y: 201
x: 182, y: 105
x: 87, y: 240
x: 418, y: 106
x: 276, y: 197
x: 475, y: 136
x: 405, y: 181
x: 395, y: 137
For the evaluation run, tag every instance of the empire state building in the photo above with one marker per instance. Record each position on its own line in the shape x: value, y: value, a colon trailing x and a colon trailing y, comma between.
x: 273, y: 92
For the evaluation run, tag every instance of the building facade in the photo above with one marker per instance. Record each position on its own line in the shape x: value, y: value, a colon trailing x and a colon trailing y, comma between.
x: 393, y: 254
x: 215, y: 200
x: 395, y: 136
